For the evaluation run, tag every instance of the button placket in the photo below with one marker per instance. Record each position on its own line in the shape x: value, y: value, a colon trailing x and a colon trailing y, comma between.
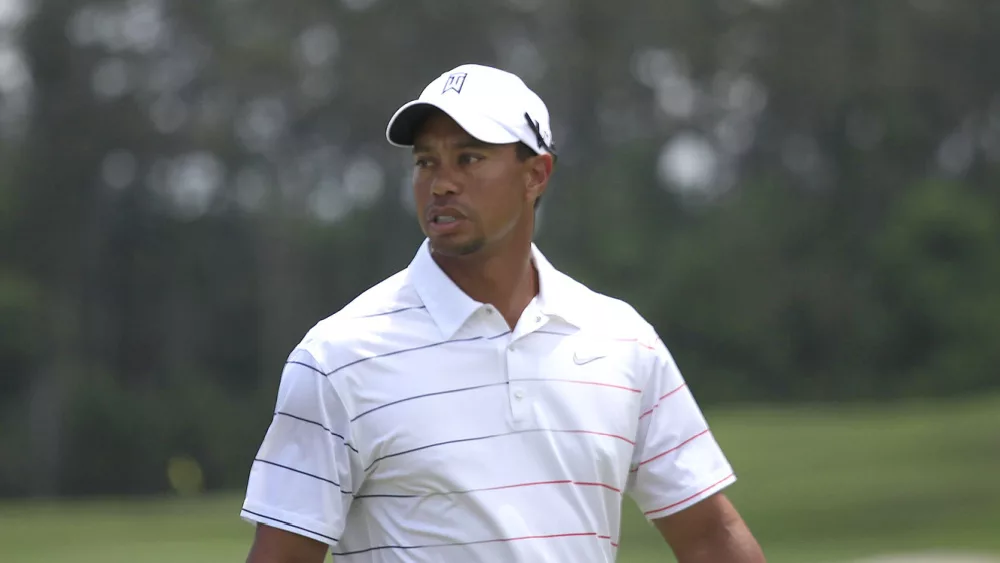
x: 517, y: 394
x: 519, y: 364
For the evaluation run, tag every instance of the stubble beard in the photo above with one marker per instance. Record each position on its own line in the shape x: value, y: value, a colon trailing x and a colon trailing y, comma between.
x: 461, y: 249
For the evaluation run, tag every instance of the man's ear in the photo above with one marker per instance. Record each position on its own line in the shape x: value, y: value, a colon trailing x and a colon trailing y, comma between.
x: 538, y: 169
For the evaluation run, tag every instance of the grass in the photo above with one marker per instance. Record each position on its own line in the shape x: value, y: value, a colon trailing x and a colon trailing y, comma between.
x: 816, y: 485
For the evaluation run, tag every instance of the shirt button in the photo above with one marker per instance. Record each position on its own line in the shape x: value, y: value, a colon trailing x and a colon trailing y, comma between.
x: 489, y: 311
x: 538, y: 319
x: 511, y: 347
x: 518, y: 394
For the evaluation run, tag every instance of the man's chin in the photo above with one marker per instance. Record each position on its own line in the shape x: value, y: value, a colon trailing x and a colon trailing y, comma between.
x: 456, y: 249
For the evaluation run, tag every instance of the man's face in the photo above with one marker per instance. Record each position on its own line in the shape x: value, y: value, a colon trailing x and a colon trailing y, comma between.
x: 469, y: 194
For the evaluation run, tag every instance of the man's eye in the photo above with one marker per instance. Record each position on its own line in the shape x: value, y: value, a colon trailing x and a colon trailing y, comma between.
x: 469, y: 159
x: 421, y: 163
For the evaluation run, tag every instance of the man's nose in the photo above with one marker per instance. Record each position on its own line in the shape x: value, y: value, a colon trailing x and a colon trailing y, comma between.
x: 444, y: 183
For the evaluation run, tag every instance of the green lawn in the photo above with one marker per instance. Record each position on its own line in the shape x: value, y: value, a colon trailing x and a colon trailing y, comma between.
x: 815, y: 485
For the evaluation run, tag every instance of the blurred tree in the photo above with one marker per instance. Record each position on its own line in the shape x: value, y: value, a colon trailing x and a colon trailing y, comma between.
x: 800, y: 196
x: 941, y: 258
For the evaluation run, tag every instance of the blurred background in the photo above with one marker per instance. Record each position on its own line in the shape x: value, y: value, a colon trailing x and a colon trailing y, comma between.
x: 802, y: 196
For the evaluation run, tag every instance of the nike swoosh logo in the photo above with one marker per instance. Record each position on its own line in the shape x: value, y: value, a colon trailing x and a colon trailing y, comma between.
x: 584, y: 361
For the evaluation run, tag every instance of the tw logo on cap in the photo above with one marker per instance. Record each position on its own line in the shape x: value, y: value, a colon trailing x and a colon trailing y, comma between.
x: 455, y: 82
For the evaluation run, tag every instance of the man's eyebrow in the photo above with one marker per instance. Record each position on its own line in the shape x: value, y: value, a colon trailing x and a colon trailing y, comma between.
x: 473, y: 144
x: 464, y: 144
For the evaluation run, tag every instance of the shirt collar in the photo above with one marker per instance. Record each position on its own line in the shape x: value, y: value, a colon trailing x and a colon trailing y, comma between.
x: 450, y: 307
x: 447, y: 304
x: 556, y: 291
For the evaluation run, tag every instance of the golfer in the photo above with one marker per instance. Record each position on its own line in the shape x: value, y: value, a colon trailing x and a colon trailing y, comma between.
x: 480, y: 406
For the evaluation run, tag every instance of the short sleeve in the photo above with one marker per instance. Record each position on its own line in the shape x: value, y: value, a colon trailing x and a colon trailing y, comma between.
x: 306, y: 469
x: 677, y: 461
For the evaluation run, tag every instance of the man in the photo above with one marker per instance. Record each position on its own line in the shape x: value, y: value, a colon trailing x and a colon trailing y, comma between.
x: 481, y: 406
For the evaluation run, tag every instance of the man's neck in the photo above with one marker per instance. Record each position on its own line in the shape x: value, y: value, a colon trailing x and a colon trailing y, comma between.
x: 507, y: 280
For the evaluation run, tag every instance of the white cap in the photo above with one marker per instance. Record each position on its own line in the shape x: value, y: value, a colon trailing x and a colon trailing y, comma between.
x: 492, y: 105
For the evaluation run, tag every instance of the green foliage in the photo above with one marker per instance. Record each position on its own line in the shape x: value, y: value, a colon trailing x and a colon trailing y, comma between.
x: 124, y: 440
x: 21, y: 331
x: 940, y: 258
x: 181, y: 203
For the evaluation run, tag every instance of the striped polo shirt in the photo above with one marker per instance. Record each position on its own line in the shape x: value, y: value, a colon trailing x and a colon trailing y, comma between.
x: 415, y: 425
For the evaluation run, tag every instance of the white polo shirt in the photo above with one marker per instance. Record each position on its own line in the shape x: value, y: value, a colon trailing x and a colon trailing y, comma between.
x: 414, y: 425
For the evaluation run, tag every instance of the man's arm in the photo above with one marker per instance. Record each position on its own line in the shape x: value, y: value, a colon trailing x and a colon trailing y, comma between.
x: 300, y: 486
x: 710, y: 531
x: 271, y: 545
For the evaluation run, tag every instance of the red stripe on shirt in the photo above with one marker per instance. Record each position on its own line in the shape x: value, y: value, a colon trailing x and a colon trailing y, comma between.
x: 622, y: 438
x: 701, y: 492
x: 609, y: 487
x: 476, y: 542
x: 613, y: 543
x: 598, y: 383
x: 538, y: 483
x: 636, y: 341
x: 499, y: 488
x: 673, y: 449
x: 650, y: 411
x: 546, y: 537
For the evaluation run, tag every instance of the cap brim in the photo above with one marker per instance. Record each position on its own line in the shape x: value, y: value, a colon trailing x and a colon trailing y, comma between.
x: 403, y: 126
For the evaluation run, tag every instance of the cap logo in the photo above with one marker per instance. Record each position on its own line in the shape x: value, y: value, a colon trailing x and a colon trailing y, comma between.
x: 544, y: 138
x: 455, y: 82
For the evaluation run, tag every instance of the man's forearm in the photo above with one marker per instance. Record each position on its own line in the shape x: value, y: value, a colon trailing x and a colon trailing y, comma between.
x: 733, y: 544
